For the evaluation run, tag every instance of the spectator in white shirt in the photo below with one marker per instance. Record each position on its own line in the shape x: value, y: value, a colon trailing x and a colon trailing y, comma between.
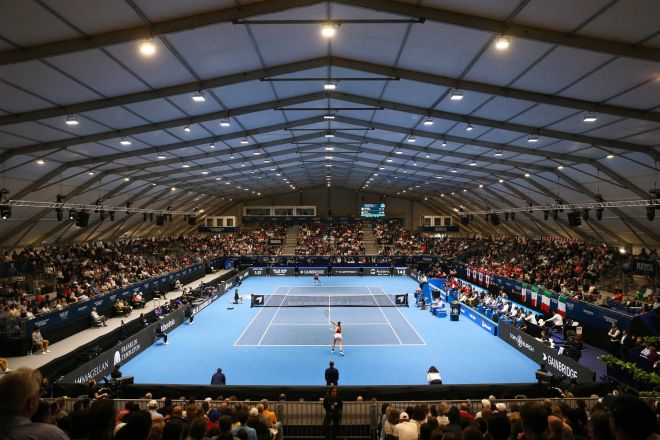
x: 405, y: 430
x: 98, y: 318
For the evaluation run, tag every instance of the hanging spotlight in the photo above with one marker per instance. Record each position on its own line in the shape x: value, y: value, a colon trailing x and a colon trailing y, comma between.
x: 102, y: 215
x: 513, y: 216
x: 144, y: 217
x: 198, y: 96
x: 40, y: 161
x: 124, y: 141
x: 225, y: 122
x: 555, y: 214
x: 609, y: 156
x: 330, y: 85
x: 59, y: 211
x: 244, y: 140
x: 147, y: 47
x: 329, y: 117
x: 502, y: 43
x: 329, y: 30
x: 532, y: 138
x: 428, y: 121
x: 456, y: 95
x: 71, y: 120
x: 590, y: 117
x: 329, y: 135
x: 599, y: 211
x: 585, y: 214
x: 560, y: 167
x: 5, y: 211
x: 546, y: 214
x: 650, y: 213
x: 473, y: 163
x: 469, y: 127
x: 187, y: 129
x: 112, y: 216
x: 412, y: 139
x: 498, y: 153
x: 151, y: 216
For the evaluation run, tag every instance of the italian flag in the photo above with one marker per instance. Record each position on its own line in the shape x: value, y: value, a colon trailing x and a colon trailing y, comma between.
x: 487, y: 280
x: 468, y: 273
x: 561, y: 306
x: 535, y: 292
x: 523, y: 292
x: 545, y: 301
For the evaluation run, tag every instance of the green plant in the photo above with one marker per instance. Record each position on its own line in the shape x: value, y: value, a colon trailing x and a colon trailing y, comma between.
x: 652, y: 340
x: 655, y: 394
x: 649, y: 379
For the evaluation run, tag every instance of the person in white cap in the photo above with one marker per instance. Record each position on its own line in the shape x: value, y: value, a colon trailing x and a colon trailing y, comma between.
x: 405, y: 430
x: 486, y: 404
x: 152, y: 407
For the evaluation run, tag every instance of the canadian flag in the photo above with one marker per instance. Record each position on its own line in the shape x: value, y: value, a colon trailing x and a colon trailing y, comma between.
x: 481, y: 277
x: 487, y: 280
x: 468, y: 272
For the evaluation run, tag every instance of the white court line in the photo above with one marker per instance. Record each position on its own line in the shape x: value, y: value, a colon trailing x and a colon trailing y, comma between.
x: 273, y: 318
x: 411, y: 326
x: 261, y: 309
x: 325, y: 345
x: 383, y: 313
x: 344, y: 325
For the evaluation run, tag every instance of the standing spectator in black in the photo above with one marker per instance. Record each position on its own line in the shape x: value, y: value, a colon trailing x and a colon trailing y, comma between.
x: 331, y: 375
x: 534, y: 419
x: 189, y: 313
x: 333, y: 406
x: 218, y: 378
x: 115, y: 373
x: 615, y: 338
x: 143, y: 320
x: 631, y: 418
x: 625, y: 344
x: 161, y: 334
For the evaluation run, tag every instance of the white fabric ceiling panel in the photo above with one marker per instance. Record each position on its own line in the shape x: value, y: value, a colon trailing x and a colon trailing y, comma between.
x: 499, y: 10
x: 616, y: 21
x: 13, y: 24
x: 412, y: 92
x: 218, y: 50
x: 159, y: 70
x: 460, y: 130
x: 624, y: 128
x: 8, y: 140
x: 576, y: 124
x: 452, y: 47
x: 14, y: 100
x: 95, y: 16
x: 167, y: 9
x: 375, y: 46
x: 46, y: 82
x: 156, y: 110
x: 501, y: 108
x: 238, y: 95
x: 542, y: 115
x: 115, y: 117
x: 274, y: 45
x: 500, y: 136
x: 559, y: 69
x: 407, y: 120
x: 551, y: 14
x: 650, y: 138
x: 502, y: 67
x: 646, y: 96
x: 186, y: 104
x: 36, y: 131
x: 93, y: 150
x: 562, y: 146
x: 65, y: 156
x: 612, y: 79
x: 150, y: 138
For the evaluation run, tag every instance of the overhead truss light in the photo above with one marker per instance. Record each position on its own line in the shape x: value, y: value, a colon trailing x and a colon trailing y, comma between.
x: 187, y: 129
x: 330, y: 85
x: 198, y: 96
x: 329, y: 116
x: 147, y: 47
x: 609, y: 156
x: 412, y: 139
x: 532, y: 138
x: 40, y: 161
x: 456, y: 95
x: 244, y: 140
x: 502, y: 43
x: 329, y: 30
x: 71, y: 120
x: 224, y: 122
x: 125, y: 141
x: 469, y: 127
x: 498, y: 153
x: 590, y: 117
x: 329, y: 134
x: 428, y: 121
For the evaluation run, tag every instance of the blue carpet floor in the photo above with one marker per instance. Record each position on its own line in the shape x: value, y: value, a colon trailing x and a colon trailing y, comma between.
x: 291, y: 345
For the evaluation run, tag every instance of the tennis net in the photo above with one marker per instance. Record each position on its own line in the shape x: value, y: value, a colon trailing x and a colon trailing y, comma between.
x: 376, y: 300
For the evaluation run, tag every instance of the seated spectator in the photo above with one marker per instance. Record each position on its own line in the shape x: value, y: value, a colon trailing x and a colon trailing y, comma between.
x: 19, y: 401
x: 242, y: 418
x: 4, y: 365
x: 98, y: 319
x: 405, y: 429
x: 137, y: 301
x: 122, y: 308
x: 39, y: 341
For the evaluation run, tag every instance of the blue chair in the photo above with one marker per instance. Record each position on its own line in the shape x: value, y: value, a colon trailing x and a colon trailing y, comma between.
x: 441, y: 312
x: 489, y: 313
x: 480, y: 309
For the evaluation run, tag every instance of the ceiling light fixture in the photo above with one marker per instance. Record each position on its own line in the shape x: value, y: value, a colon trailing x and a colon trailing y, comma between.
x: 225, y: 122
x: 498, y: 153
x: 590, y: 117
x: 211, y: 146
x: 40, y: 161
x: 329, y: 148
x: 453, y: 170
x: 329, y: 134
x: 161, y: 156
x: 187, y: 129
x: 330, y: 85
x: 329, y: 116
x: 428, y: 121
x: 147, y: 47
x: 412, y: 139
x: 444, y: 142
x: 126, y: 179
x: 502, y: 43
x: 456, y: 95
x: 526, y: 174
x: 91, y: 173
x: 609, y: 156
x: 71, y: 120
x: 244, y: 140
x: 198, y: 96
x: 205, y: 172
x: 560, y: 167
x: 501, y: 180
x: 473, y: 163
x: 329, y: 30
x: 185, y: 165
x: 532, y: 138
x: 124, y: 141
x: 469, y: 127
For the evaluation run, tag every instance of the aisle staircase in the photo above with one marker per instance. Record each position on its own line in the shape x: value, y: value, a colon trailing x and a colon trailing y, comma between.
x: 290, y: 241
x: 370, y: 245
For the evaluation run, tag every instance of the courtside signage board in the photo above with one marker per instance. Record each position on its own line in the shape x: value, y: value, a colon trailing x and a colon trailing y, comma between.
x: 323, y: 271
x: 537, y: 351
x: 483, y: 322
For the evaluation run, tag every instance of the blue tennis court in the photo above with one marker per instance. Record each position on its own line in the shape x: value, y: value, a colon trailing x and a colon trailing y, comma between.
x: 289, y: 345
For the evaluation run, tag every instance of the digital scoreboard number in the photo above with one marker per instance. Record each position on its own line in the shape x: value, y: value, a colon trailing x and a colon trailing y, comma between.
x: 372, y: 210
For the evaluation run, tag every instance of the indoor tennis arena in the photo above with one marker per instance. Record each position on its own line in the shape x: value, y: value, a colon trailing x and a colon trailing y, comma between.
x: 345, y: 219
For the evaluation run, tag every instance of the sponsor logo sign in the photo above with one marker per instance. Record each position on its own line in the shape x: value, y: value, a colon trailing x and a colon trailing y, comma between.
x: 478, y: 319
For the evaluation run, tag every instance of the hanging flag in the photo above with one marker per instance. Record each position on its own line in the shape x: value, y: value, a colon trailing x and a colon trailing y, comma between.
x: 535, y: 292
x: 523, y: 292
x: 545, y: 301
x: 561, y: 306
x: 481, y: 277
x: 487, y: 280
x: 468, y: 272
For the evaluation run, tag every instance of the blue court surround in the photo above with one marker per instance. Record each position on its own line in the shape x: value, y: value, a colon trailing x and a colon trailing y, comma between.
x: 291, y: 345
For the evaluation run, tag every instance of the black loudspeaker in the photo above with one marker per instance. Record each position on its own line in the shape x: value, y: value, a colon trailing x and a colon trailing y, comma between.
x: 495, y: 219
x: 160, y: 220
x: 465, y: 221
x: 574, y: 219
x: 82, y: 219
x: 650, y: 213
x: 192, y: 221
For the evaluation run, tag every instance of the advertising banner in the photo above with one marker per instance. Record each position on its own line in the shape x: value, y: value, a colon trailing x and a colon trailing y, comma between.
x: 537, y: 351
x: 102, y: 365
x: 336, y: 271
x: 480, y: 320
x: 216, y: 229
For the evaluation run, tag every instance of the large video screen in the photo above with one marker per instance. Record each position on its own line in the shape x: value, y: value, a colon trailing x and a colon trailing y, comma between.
x: 372, y: 210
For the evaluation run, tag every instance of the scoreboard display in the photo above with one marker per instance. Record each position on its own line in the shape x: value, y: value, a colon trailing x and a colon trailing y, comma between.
x: 372, y: 210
